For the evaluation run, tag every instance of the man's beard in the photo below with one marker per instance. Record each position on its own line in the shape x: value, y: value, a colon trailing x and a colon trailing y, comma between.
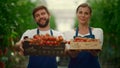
x: 43, y: 25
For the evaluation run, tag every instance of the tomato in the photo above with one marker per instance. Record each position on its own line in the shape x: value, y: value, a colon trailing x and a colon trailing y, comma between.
x: 68, y: 42
x: 36, y: 36
x: 2, y: 64
x: 48, y: 43
x: 5, y: 51
x: 1, y: 52
x: 60, y: 38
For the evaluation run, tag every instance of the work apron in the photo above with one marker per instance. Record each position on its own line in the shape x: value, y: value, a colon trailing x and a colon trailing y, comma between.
x: 84, y: 59
x: 42, y: 61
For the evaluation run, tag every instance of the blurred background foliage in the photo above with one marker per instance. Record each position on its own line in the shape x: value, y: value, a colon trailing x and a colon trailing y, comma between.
x: 106, y: 15
x: 16, y: 17
x: 13, y: 22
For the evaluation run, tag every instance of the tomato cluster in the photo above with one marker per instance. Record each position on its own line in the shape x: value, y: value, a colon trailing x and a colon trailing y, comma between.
x: 43, y: 40
x: 80, y: 39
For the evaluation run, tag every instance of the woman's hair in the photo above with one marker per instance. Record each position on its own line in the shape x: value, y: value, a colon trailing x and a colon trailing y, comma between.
x: 39, y: 8
x: 84, y: 5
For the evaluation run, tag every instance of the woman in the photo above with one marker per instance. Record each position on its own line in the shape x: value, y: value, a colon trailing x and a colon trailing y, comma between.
x: 84, y: 59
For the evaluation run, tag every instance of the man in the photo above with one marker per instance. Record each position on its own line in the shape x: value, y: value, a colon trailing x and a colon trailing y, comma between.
x: 41, y: 16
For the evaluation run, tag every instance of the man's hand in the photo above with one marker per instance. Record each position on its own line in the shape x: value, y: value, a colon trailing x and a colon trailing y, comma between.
x: 18, y: 47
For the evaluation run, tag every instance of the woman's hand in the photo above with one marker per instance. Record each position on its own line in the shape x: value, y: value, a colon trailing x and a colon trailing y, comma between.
x: 94, y: 52
x: 72, y: 53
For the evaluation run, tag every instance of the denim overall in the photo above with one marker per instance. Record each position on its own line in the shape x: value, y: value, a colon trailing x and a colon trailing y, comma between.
x: 84, y: 59
x: 42, y: 61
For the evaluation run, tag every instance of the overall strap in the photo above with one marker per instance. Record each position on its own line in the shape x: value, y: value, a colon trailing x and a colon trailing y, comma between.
x: 90, y: 30
x: 91, y: 35
x: 76, y: 34
x: 51, y: 32
x: 37, y: 31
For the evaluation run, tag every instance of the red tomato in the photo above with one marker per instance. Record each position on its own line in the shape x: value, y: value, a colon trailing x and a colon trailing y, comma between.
x: 2, y: 65
x: 5, y: 51
x: 1, y: 52
x: 68, y: 42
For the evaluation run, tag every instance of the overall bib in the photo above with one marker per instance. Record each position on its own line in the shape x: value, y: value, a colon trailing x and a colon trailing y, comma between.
x: 42, y: 61
x: 84, y: 59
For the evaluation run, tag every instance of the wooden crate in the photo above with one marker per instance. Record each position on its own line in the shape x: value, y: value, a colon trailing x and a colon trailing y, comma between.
x: 31, y: 49
x: 95, y: 45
